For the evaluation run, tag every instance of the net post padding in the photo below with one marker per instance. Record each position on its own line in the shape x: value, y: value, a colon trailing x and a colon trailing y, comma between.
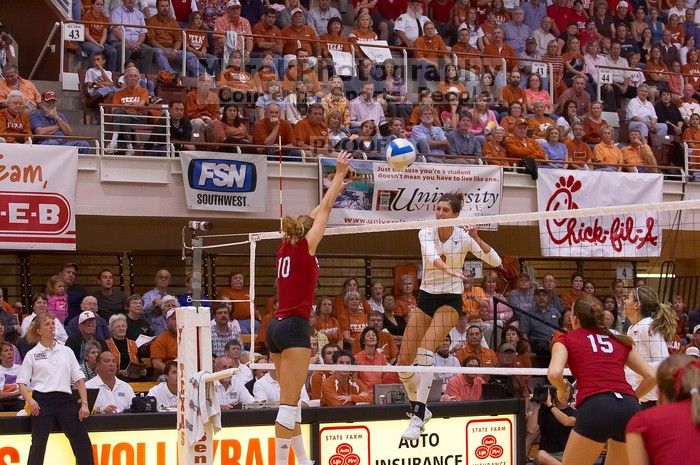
x: 194, y: 355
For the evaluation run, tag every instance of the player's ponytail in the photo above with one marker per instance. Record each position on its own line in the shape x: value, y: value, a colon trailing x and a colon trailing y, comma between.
x: 294, y: 229
x: 664, y: 318
x: 591, y: 315
x: 678, y: 378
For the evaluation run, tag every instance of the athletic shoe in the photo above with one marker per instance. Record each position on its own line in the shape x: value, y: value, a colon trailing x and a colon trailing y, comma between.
x: 111, y: 147
x: 130, y: 151
x: 415, y: 428
x: 426, y: 418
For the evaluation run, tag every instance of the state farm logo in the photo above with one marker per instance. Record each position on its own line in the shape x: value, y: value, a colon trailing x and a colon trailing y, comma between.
x: 622, y: 230
x: 489, y: 448
x: 344, y: 456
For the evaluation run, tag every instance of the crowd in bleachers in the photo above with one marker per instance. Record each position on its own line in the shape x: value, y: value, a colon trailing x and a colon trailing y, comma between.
x: 264, y: 69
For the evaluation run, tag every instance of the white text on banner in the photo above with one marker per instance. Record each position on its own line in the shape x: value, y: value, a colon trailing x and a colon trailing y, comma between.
x: 379, y: 194
x: 37, y: 197
x: 218, y: 181
x: 629, y: 235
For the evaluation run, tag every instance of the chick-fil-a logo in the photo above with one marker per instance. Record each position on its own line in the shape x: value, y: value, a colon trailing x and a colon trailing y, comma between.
x: 572, y: 231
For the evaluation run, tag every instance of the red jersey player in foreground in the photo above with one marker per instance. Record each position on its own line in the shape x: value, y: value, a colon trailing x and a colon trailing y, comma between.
x: 289, y: 330
x: 669, y: 434
x: 605, y: 401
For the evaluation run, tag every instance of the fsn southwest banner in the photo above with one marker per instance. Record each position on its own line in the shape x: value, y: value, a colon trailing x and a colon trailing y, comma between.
x: 223, y: 182
x: 625, y: 235
x: 37, y: 197
x: 379, y: 194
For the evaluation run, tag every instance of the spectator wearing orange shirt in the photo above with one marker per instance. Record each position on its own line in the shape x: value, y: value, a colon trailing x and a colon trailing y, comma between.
x: 638, y: 153
x: 276, y: 133
x: 96, y: 35
x: 607, y: 152
x: 498, y: 48
x: 302, y: 70
x: 165, y: 37
x: 13, y: 120
x: 519, y: 145
x: 354, y: 320
x: 318, y: 377
x: 198, y: 43
x: 268, y: 36
x: 385, y: 343
x: 486, y: 356
x: 202, y: 105
x: 311, y: 133
x: 513, y: 92
x: 325, y: 322
x: 540, y: 122
x: 232, y: 21
x: 343, y: 387
x: 579, y: 151
x: 493, y: 150
x: 298, y: 35
x: 234, y: 77
x: 12, y: 81
x: 240, y: 310
x: 133, y: 96
x: 371, y: 354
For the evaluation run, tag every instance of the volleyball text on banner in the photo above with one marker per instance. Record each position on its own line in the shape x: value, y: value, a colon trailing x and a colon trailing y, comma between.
x: 217, y: 181
x: 37, y: 197
x: 380, y: 194
x: 626, y: 235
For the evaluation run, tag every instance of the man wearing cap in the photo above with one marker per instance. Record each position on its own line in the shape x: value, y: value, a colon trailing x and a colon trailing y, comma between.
x: 284, y: 16
x: 538, y: 333
x: 409, y: 26
x: 135, y: 36
x: 89, y: 303
x: 232, y: 21
x: 87, y: 326
x: 694, y: 347
x: 164, y: 346
x: 622, y: 15
x: 158, y: 316
x: 516, y: 32
x: 74, y: 291
x: 165, y: 37
x: 114, y: 395
x: 47, y: 121
x: 11, y: 81
x: 519, y: 145
x: 529, y: 54
x: 299, y: 35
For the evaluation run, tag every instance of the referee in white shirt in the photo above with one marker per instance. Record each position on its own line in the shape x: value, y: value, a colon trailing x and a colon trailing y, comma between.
x: 114, y: 395
x: 45, y: 381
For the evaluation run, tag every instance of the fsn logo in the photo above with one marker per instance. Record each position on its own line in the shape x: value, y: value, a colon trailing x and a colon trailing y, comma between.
x: 344, y: 456
x: 488, y: 448
x: 217, y: 175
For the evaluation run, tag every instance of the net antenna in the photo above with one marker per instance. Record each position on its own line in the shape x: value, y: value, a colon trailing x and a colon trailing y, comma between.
x: 196, y: 242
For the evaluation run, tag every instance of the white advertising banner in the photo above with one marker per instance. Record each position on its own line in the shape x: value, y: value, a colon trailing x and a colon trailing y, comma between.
x: 379, y: 194
x: 628, y: 235
x: 450, y: 441
x: 37, y: 197
x: 216, y: 181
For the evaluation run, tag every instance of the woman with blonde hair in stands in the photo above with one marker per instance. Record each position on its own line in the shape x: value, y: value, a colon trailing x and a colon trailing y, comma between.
x: 653, y: 326
x: 668, y: 434
x: 605, y: 401
x: 288, y: 335
x: 339, y: 308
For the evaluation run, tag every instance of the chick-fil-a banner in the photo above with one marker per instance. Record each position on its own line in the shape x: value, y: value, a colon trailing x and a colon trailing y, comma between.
x: 624, y: 235
x: 37, y: 197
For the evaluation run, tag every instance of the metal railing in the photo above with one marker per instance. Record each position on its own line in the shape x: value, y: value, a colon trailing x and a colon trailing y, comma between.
x: 146, y: 134
x: 636, y: 70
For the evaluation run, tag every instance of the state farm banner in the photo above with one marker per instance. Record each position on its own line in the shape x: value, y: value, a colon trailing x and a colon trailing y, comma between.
x: 627, y: 235
x: 379, y: 194
x: 37, y: 197
x: 224, y: 182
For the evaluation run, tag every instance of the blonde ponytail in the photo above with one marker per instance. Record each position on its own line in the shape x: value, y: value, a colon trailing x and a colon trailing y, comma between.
x: 294, y: 229
x: 665, y: 322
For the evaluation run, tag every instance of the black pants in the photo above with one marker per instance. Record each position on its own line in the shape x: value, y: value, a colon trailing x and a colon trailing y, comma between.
x: 60, y: 407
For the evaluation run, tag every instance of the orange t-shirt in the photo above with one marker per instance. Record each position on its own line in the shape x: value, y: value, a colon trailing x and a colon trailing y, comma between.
x: 316, y: 383
x: 540, y: 124
x: 404, y: 305
x: 165, y: 37
x: 385, y: 345
x: 267, y: 34
x: 604, y: 153
x: 196, y: 109
x: 692, y: 74
x: 330, y: 327
x: 633, y: 156
x: 197, y: 40
x: 240, y: 310
x: 692, y: 134
x: 527, y: 147
x: 467, y: 56
x: 353, y: 322
x: 332, y: 389
x: 137, y: 97
x: 511, y: 94
x: 471, y: 306
x: 95, y: 30
x: 303, y: 35
x: 592, y: 130
x: 164, y: 347
x: 336, y: 43
x: 340, y: 309
x: 505, y: 51
x: 487, y: 357
x: 436, y: 46
x: 237, y: 79
x: 14, y: 124
x: 579, y: 151
x: 493, y: 150
x: 314, y: 135
x: 292, y: 75
x: 262, y: 129
x: 360, y: 36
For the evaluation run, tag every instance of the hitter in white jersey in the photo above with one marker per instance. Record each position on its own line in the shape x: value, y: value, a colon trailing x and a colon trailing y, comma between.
x: 439, y: 301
